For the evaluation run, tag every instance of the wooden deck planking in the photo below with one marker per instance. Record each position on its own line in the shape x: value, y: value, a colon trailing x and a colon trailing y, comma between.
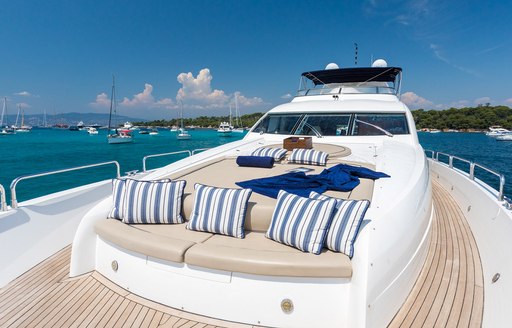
x: 448, y: 291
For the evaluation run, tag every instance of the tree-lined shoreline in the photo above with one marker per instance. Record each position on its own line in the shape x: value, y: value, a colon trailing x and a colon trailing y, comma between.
x: 463, y: 119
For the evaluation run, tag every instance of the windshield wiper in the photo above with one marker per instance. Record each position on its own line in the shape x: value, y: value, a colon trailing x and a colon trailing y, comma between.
x: 389, y: 134
x: 315, y: 131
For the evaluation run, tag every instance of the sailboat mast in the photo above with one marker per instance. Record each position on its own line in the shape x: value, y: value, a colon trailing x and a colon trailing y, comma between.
x: 3, y: 112
x: 237, y: 112
x: 112, y: 100
x: 17, y: 116
x: 181, y: 114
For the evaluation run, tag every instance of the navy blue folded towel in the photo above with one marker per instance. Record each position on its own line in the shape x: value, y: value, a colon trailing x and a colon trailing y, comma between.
x: 341, y: 177
x: 255, y: 161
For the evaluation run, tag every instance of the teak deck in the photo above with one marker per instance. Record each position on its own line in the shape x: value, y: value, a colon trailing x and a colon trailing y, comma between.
x: 448, y: 292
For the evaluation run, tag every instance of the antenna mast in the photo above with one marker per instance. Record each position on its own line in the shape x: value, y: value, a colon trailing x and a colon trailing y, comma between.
x: 355, y: 53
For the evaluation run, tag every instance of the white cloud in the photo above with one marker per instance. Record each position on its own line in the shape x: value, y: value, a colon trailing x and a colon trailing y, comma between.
x: 102, y: 100
x: 439, y: 55
x: 145, y: 99
x: 286, y: 96
x: 482, y: 100
x: 23, y: 94
x: 197, y: 93
x: 508, y: 101
x: 414, y: 101
x: 247, y: 102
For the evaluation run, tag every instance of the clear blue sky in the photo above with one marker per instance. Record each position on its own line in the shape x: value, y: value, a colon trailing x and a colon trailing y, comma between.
x: 60, y: 55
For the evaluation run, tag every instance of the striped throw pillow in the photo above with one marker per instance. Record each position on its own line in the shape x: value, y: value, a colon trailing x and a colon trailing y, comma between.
x: 219, y: 210
x: 277, y: 153
x: 308, y: 156
x: 118, y: 192
x: 153, y: 201
x: 301, y: 222
x: 347, y: 219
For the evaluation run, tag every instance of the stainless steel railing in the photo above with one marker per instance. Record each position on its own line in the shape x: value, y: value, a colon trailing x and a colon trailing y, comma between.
x: 435, y: 155
x: 198, y: 150
x: 14, y: 202
x: 164, y: 154
x: 3, y: 203
x: 190, y: 153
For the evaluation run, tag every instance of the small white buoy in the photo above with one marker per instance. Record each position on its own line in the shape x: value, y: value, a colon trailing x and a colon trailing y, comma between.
x: 380, y: 63
x: 332, y: 66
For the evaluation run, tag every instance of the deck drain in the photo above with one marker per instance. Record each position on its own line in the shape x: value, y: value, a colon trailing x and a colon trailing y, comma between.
x: 115, y: 266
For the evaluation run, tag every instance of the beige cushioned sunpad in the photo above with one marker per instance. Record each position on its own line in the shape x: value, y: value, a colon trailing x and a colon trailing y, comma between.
x: 163, y: 241
x: 257, y: 254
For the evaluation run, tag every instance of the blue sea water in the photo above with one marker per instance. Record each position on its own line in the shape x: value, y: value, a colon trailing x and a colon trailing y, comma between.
x: 52, y: 149
x: 43, y: 150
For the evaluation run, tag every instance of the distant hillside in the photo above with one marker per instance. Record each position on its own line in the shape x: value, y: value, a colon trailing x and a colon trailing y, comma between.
x: 478, y: 118
x: 69, y: 119
x: 248, y: 120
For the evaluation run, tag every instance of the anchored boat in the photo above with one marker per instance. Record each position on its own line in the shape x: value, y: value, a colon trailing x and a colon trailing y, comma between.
x: 424, y: 246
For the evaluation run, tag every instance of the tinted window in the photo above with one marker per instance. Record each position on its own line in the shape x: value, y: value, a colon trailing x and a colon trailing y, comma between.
x: 278, y: 124
x: 373, y: 124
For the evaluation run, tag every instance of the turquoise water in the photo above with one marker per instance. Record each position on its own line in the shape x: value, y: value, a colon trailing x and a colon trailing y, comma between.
x: 476, y: 147
x: 44, y: 150
x: 51, y: 149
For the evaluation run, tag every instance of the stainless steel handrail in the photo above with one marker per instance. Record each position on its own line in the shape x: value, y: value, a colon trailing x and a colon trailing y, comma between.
x: 164, y: 154
x: 471, y: 173
x: 195, y: 151
x: 3, y: 203
x: 14, y: 202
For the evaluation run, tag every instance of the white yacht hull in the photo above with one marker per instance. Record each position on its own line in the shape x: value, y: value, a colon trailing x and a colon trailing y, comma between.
x: 120, y: 140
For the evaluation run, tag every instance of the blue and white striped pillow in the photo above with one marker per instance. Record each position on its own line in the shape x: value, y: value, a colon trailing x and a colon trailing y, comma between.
x: 308, y: 156
x: 347, y: 219
x: 301, y: 222
x: 277, y: 153
x: 118, y: 192
x: 219, y: 210
x: 153, y: 201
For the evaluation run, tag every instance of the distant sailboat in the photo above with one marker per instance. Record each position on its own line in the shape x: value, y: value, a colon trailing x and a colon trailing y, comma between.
x: 183, y: 134
x: 238, y: 120
x: 116, y: 136
x: 4, y: 126
x: 23, y: 128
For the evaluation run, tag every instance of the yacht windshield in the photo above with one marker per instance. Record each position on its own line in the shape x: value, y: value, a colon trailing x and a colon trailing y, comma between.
x: 328, y: 124
x: 379, y: 124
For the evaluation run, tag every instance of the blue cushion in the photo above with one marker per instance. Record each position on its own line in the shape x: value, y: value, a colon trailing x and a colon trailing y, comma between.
x: 277, y: 153
x: 153, y: 201
x: 308, y: 156
x: 219, y: 210
x: 118, y: 198
x: 301, y: 222
x: 347, y: 219
x: 255, y: 161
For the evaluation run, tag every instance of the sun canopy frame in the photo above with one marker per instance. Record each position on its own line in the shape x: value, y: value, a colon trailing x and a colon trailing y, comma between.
x: 353, y: 75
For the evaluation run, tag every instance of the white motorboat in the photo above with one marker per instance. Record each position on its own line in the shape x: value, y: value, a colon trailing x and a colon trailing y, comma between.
x: 224, y: 128
x: 431, y: 250
x: 496, y: 130
x: 115, y: 135
x: 91, y: 130
x: 153, y: 132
